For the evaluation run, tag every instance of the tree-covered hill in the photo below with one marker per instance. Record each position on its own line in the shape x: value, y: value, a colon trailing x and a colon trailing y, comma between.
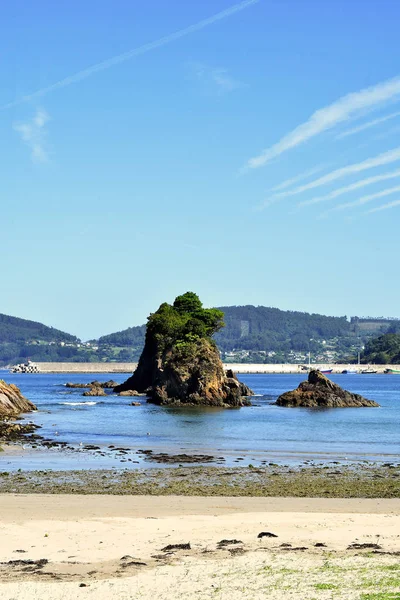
x: 263, y: 328
x: 251, y: 334
x: 383, y: 350
x: 21, y: 339
x: 261, y: 334
x: 132, y: 337
x: 14, y: 329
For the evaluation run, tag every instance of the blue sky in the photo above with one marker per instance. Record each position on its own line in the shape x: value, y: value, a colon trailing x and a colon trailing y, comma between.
x: 253, y: 158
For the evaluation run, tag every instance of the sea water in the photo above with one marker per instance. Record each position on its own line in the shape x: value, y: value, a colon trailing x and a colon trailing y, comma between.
x: 263, y: 431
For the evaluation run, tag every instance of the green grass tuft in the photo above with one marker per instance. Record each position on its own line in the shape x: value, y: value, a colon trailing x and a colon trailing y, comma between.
x: 325, y: 586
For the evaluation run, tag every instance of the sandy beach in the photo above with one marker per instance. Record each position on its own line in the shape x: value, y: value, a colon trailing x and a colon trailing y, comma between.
x: 117, y: 547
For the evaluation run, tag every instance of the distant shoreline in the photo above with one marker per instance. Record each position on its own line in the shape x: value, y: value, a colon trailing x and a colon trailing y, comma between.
x: 245, y: 368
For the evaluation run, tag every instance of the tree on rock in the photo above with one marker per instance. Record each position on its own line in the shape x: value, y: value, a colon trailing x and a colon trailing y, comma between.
x: 180, y: 363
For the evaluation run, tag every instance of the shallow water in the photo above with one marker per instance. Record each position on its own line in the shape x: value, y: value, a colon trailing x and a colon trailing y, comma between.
x: 260, y: 432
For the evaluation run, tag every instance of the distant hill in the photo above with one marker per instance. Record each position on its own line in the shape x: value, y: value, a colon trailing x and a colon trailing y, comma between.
x: 14, y: 329
x: 383, y: 350
x: 252, y: 334
x: 262, y: 328
x: 21, y: 339
x: 132, y: 337
x: 260, y: 334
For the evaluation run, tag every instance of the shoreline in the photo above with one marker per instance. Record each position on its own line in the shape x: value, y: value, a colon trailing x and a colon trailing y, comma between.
x: 241, y: 368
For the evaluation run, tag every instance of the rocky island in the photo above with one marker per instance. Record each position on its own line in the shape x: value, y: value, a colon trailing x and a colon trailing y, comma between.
x: 12, y: 403
x: 319, y: 392
x: 180, y: 363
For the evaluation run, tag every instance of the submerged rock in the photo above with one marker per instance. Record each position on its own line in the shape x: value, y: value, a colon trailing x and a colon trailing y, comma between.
x: 180, y: 363
x: 319, y: 391
x: 12, y: 402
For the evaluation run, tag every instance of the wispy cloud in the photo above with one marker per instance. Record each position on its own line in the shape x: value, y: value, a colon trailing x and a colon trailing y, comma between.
x: 350, y: 188
x: 366, y: 199
x: 111, y: 62
x: 215, y: 79
x: 386, y: 134
x: 367, y: 125
x: 297, y: 178
x: 33, y: 133
x: 384, y: 206
x: 370, y: 163
x: 345, y: 108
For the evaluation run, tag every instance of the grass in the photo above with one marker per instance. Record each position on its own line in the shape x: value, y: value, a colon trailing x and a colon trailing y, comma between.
x: 381, y: 596
x: 325, y: 586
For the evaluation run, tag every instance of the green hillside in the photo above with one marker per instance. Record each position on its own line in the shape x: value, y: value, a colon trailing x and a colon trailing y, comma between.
x: 260, y: 328
x: 13, y: 329
x: 261, y: 334
x: 383, y: 350
x: 252, y: 334
x: 131, y: 337
x: 21, y: 339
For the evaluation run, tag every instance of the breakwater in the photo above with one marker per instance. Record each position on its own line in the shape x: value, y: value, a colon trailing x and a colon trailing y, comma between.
x: 69, y: 367
x: 115, y: 367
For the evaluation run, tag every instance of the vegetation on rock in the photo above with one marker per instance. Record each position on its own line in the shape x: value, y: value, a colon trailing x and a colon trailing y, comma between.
x: 180, y: 362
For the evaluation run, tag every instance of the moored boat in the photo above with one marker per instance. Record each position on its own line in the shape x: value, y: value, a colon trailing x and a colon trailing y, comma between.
x: 368, y: 372
x: 392, y: 371
x: 326, y: 371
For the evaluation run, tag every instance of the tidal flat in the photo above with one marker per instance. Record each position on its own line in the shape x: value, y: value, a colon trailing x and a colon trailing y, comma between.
x: 332, y: 480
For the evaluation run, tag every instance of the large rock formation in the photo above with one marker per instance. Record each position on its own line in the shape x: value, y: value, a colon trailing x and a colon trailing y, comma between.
x: 12, y: 402
x: 319, y: 391
x: 180, y: 363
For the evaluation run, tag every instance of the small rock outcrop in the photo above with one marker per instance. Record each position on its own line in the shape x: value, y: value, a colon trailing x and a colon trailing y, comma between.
x: 319, y: 392
x: 12, y: 402
x: 95, y: 391
x: 180, y: 363
x: 102, y: 384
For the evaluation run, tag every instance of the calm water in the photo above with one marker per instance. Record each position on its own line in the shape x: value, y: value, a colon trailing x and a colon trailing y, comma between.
x: 261, y: 432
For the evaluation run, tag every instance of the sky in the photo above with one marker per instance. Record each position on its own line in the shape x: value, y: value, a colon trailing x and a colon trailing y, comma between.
x: 247, y: 151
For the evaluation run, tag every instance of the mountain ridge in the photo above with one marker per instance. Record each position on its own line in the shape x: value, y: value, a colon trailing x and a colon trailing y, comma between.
x: 252, y: 334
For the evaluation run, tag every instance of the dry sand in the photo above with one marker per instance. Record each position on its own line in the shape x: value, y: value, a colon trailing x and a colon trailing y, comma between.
x: 84, y: 539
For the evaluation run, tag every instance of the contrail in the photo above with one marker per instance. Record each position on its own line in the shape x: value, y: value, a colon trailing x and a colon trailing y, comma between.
x: 345, y: 108
x: 366, y: 125
x: 384, y: 207
x: 349, y: 188
x: 107, y: 64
